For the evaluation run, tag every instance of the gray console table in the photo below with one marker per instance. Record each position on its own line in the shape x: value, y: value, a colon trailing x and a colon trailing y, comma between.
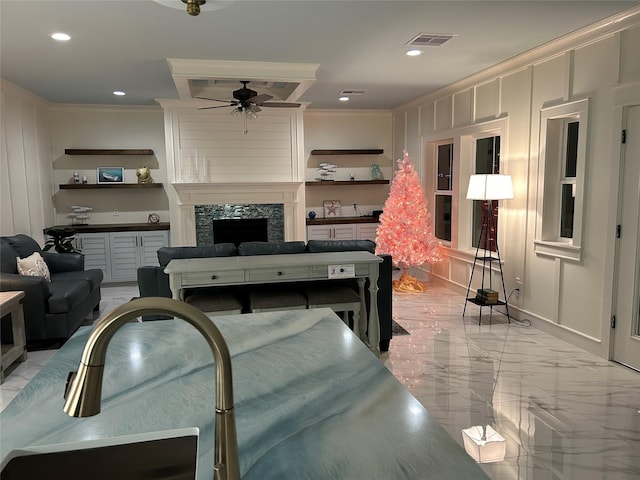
x: 257, y: 269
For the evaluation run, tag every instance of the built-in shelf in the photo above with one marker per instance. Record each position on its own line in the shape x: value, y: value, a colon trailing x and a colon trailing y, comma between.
x: 86, y: 186
x: 333, y: 183
x: 349, y: 151
x: 108, y: 151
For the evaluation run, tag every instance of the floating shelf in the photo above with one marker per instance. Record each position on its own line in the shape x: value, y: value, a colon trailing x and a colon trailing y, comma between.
x: 108, y: 151
x: 350, y: 151
x: 333, y: 183
x: 86, y: 186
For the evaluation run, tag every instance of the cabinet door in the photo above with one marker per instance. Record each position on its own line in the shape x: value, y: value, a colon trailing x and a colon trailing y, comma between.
x: 319, y: 232
x: 124, y: 255
x: 366, y: 231
x: 95, y: 248
x: 150, y: 242
x: 345, y: 231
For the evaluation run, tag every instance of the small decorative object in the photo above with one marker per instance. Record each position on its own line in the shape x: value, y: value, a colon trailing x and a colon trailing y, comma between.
x: 326, y: 171
x: 376, y: 173
x: 79, y: 215
x: 84, y: 179
x: 144, y: 175
x: 153, y: 218
x: 332, y: 208
x: 312, y: 214
x: 60, y: 239
x: 76, y: 177
x: 110, y: 174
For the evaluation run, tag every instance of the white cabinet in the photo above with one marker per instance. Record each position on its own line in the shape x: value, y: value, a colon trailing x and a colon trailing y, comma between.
x: 366, y: 231
x: 342, y: 231
x: 339, y: 231
x: 119, y: 254
x: 95, y: 247
x: 130, y: 250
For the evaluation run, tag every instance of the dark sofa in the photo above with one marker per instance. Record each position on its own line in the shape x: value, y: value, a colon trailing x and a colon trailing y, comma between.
x: 152, y: 281
x: 54, y: 309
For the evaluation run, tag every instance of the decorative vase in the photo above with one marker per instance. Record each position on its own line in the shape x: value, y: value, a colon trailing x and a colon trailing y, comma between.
x: 376, y: 173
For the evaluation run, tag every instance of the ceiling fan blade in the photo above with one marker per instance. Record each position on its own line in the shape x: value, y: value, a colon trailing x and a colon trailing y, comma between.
x: 281, y: 104
x: 254, y: 108
x: 259, y: 99
x: 216, y: 100
x: 216, y: 106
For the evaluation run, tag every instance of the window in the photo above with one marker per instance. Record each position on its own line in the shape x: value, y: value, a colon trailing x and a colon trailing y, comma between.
x: 562, y: 165
x: 487, y: 161
x: 568, y: 180
x: 443, y: 191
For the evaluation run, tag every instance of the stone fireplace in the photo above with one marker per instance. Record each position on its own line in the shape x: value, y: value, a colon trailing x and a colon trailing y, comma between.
x: 238, y: 223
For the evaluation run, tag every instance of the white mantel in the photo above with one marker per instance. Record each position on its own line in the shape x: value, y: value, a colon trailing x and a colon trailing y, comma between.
x: 290, y: 194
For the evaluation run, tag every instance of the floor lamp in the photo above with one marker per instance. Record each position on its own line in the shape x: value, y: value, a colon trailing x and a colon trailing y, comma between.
x: 488, y: 188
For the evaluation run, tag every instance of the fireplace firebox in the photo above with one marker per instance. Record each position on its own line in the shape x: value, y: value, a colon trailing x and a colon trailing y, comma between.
x: 238, y: 230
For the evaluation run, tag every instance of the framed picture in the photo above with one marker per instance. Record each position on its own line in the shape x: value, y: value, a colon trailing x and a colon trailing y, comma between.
x: 332, y: 208
x: 110, y: 174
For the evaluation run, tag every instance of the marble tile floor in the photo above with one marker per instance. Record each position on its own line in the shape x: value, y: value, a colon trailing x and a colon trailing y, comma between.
x: 565, y: 414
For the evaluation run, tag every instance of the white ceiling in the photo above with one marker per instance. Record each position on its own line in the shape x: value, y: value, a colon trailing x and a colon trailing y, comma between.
x: 124, y: 45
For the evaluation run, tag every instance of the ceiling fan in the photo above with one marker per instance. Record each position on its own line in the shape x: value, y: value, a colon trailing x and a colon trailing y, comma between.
x: 247, y: 102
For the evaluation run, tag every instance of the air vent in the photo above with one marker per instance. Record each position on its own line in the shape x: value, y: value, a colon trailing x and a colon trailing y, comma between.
x: 429, y: 39
x: 353, y: 91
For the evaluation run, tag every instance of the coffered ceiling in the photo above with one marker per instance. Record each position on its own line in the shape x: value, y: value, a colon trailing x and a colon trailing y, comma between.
x: 309, y: 50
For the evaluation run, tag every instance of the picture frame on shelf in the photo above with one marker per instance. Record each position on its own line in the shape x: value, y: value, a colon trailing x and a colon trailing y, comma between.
x: 332, y: 208
x: 110, y: 175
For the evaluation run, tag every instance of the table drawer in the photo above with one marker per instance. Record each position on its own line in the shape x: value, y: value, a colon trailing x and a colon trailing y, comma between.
x: 212, y: 278
x: 279, y: 274
x: 321, y: 271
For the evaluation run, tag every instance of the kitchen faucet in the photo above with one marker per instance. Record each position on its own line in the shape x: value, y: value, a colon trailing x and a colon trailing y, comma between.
x: 84, y: 387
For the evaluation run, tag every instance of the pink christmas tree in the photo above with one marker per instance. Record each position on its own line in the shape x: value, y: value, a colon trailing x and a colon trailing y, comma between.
x: 405, y: 227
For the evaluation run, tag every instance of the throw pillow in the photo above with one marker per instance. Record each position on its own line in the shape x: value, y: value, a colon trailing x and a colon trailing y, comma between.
x: 34, y: 266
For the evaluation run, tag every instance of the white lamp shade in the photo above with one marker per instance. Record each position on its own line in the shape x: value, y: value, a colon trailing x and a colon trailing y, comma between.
x: 490, y: 187
x: 484, y: 444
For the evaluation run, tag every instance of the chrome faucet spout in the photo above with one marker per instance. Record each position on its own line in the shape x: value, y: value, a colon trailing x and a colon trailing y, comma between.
x: 84, y: 388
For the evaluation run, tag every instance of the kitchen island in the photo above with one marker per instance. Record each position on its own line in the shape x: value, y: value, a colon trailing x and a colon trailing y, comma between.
x: 311, y: 401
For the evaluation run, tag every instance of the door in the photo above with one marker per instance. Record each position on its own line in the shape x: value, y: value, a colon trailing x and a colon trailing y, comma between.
x: 95, y: 247
x: 124, y: 255
x: 150, y: 242
x: 626, y: 334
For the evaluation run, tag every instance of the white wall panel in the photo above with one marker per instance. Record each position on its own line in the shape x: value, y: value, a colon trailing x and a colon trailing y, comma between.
x: 444, y: 113
x: 629, y: 58
x: 595, y: 66
x: 462, y: 108
x: 487, y: 100
x: 26, y: 162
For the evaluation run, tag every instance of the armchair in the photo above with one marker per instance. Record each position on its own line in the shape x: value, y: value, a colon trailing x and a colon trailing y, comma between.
x: 53, y: 309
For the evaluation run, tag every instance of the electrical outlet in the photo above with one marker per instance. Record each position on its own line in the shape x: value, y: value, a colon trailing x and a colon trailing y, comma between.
x: 518, y: 286
x: 355, y: 207
x: 116, y: 212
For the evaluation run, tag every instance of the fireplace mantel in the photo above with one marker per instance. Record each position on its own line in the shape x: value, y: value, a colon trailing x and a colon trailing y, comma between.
x: 290, y: 194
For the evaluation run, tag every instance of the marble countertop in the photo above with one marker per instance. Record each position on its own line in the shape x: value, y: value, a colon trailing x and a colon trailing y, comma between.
x: 311, y: 401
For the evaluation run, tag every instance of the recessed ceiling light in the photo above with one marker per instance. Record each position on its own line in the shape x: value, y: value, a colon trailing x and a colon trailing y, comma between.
x: 60, y: 36
x: 119, y: 93
x: 414, y: 52
x: 344, y: 99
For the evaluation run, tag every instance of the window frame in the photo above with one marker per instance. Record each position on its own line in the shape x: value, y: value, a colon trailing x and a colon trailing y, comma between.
x: 554, y: 121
